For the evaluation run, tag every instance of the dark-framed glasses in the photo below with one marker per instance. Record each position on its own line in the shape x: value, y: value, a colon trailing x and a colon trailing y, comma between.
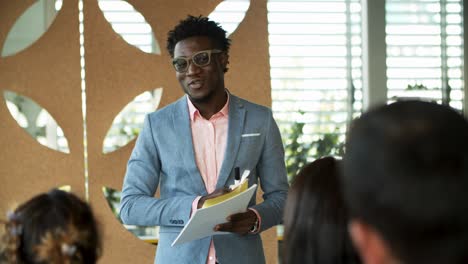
x: 200, y: 59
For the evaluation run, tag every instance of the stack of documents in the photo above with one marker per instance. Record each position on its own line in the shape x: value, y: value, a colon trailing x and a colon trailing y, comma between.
x: 203, y: 221
x: 237, y: 188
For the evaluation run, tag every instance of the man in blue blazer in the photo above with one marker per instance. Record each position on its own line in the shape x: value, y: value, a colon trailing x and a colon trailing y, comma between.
x: 190, y: 149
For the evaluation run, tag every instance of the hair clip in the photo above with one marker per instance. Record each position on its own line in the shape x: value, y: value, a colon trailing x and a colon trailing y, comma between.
x: 68, y: 250
x: 14, y: 227
x: 16, y: 230
x: 12, y: 216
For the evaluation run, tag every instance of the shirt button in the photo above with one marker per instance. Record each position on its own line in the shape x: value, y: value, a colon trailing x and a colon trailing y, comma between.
x: 211, y: 258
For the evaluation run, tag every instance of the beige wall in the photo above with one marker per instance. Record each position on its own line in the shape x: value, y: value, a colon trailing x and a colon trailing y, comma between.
x: 49, y: 73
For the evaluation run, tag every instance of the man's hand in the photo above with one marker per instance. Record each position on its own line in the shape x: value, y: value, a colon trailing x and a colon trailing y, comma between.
x: 240, y: 223
x: 214, y: 194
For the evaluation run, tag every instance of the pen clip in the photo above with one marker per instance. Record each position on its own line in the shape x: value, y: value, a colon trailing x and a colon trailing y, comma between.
x: 236, y: 175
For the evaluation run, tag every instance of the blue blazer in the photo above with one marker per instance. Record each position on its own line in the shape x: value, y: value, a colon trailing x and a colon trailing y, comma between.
x: 164, y: 156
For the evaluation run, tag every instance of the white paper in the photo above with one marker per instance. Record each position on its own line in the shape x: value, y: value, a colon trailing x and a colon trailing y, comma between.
x: 203, y: 221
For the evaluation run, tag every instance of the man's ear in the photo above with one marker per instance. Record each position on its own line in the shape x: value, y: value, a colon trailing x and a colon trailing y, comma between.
x: 224, y: 60
x: 369, y: 243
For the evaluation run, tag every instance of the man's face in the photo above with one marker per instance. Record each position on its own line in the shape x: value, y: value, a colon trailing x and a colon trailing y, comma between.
x: 200, y: 83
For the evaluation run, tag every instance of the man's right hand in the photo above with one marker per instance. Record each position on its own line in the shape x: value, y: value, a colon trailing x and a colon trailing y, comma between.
x: 214, y: 194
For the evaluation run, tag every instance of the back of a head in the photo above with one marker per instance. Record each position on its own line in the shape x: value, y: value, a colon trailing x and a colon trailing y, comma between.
x: 315, y: 219
x: 406, y: 174
x: 51, y: 228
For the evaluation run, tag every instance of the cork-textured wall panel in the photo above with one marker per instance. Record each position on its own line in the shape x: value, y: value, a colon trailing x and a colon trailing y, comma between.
x: 249, y: 68
x: 48, y: 72
x: 9, y: 13
x: 116, y: 73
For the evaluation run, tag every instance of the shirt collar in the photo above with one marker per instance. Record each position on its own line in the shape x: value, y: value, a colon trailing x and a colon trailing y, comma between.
x: 193, y: 111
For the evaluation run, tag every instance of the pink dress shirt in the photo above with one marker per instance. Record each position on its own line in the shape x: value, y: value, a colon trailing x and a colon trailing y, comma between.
x: 209, y: 142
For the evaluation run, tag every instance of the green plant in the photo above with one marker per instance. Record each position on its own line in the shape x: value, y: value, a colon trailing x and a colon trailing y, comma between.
x: 328, y: 144
x: 298, y: 152
x: 416, y: 87
x: 113, y: 200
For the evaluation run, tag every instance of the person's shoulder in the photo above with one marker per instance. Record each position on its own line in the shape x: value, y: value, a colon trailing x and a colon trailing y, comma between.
x: 251, y: 106
x: 166, y: 111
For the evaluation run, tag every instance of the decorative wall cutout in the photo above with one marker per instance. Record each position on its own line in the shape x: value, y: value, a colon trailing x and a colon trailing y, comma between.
x: 66, y: 188
x: 48, y: 72
x: 127, y: 124
x: 36, y: 121
x: 17, y: 114
x: 231, y: 20
x: 141, y: 34
x: 29, y: 27
x: 149, y: 234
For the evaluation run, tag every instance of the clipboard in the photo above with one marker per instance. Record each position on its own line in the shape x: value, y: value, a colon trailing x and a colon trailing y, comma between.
x: 203, y: 221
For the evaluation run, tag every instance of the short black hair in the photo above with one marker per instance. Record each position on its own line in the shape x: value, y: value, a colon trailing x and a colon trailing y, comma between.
x: 316, y: 219
x: 198, y: 26
x: 406, y: 175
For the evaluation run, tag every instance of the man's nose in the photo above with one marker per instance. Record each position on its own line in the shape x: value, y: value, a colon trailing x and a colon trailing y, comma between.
x: 192, y: 68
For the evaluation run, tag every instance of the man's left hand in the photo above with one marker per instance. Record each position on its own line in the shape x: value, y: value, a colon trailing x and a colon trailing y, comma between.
x: 240, y: 223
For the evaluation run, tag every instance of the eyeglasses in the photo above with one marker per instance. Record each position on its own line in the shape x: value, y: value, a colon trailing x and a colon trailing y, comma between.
x: 200, y: 59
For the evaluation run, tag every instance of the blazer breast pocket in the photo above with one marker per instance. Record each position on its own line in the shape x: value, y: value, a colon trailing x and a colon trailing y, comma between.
x: 250, y: 136
x: 247, y: 135
x: 251, y: 139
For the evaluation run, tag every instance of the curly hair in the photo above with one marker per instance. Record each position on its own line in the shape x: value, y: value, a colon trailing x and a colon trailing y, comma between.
x: 198, y: 26
x: 55, y: 227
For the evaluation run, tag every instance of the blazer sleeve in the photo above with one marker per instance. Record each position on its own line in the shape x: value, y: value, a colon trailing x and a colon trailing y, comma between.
x: 138, y: 206
x: 273, y: 180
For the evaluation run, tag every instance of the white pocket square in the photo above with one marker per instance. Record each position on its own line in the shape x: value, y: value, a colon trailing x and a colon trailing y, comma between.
x: 251, y: 135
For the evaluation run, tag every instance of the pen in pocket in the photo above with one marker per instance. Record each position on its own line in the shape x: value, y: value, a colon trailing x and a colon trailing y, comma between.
x: 236, y: 175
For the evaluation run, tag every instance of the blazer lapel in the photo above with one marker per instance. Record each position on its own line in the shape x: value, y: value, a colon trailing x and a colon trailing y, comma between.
x: 183, y: 132
x: 235, y: 128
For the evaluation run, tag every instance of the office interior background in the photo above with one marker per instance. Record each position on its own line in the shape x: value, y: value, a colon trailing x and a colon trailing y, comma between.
x: 78, y: 76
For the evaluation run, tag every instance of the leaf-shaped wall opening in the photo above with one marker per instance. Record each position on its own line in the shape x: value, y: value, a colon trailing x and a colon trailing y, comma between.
x: 30, y: 26
x: 230, y: 13
x: 149, y: 234
x: 127, y: 124
x: 66, y: 188
x: 17, y: 114
x: 58, y: 4
x: 130, y: 25
x: 36, y: 121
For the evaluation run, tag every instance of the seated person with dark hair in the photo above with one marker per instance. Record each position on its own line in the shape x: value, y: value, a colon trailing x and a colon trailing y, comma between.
x: 405, y: 179
x: 51, y: 228
x: 316, y: 219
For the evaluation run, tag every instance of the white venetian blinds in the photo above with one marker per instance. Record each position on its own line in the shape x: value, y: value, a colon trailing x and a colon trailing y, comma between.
x: 425, y: 49
x: 315, y: 58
